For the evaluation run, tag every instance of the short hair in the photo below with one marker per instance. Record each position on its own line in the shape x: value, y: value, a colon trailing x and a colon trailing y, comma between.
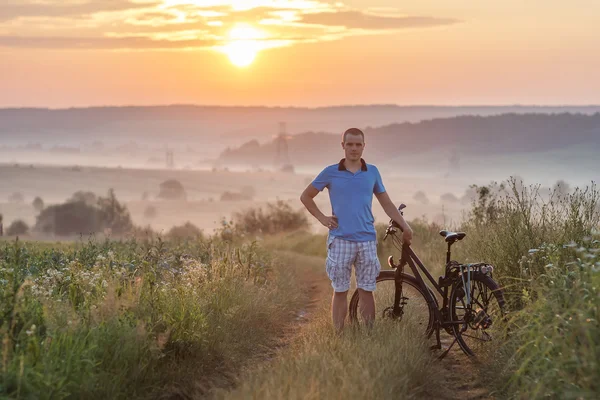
x: 353, y: 131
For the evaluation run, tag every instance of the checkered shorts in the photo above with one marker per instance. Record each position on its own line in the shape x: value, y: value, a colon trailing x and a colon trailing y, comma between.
x: 342, y: 254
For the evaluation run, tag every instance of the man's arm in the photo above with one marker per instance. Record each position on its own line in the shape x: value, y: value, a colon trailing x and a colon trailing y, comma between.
x: 307, y: 198
x: 390, y: 209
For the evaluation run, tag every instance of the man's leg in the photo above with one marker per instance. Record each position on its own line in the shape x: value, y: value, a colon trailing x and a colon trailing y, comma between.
x: 340, y: 257
x: 367, y: 268
x: 366, y: 304
x: 339, y: 307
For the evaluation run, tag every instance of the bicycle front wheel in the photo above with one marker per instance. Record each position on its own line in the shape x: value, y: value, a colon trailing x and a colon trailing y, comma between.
x: 415, y: 310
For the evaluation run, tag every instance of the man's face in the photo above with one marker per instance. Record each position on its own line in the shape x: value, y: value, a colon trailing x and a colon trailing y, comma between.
x: 353, y: 147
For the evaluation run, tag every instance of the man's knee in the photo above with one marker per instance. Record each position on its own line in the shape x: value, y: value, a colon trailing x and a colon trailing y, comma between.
x: 365, y: 293
x: 340, y: 294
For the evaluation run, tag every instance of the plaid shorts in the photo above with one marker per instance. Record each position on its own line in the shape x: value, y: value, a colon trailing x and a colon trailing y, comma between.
x: 342, y: 254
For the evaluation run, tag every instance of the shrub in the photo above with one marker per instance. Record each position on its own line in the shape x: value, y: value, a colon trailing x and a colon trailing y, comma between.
x: 38, y: 204
x: 18, y: 227
x: 172, y: 189
x: 278, y: 217
x: 86, y: 197
x: 78, y: 216
x: 185, y: 231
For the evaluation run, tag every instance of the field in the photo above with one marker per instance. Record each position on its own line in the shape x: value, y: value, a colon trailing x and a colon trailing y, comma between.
x: 232, y: 316
x: 138, y: 189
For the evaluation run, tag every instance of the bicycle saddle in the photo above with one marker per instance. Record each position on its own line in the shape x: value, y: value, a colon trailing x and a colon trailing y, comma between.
x: 453, y: 236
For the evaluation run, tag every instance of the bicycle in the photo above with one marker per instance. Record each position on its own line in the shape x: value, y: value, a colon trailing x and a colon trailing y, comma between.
x: 468, y: 311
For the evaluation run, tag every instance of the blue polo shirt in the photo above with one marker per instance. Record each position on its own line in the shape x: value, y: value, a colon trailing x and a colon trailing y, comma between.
x: 351, y: 196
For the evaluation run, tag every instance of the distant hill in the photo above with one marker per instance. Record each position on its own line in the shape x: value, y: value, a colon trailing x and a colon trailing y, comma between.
x: 196, y: 124
x: 476, y: 135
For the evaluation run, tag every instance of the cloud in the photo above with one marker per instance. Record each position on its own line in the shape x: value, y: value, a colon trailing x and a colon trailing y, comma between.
x: 359, y: 20
x: 157, y: 24
x: 64, y: 8
x: 132, y: 42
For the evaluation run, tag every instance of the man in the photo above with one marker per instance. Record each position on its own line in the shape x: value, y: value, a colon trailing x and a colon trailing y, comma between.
x: 352, y: 239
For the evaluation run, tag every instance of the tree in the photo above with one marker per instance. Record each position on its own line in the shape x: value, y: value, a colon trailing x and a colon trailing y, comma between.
x: 80, y: 217
x: 18, y: 227
x: 172, y: 189
x: 38, y: 204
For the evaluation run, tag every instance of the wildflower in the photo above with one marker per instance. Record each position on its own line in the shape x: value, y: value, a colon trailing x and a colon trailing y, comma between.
x: 31, y: 330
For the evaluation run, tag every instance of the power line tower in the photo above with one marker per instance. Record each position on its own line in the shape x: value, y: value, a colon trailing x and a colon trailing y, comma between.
x: 282, y: 156
x: 170, y: 158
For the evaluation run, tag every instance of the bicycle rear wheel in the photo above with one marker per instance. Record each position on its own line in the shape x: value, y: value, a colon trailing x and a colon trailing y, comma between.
x: 484, y: 316
x: 415, y: 309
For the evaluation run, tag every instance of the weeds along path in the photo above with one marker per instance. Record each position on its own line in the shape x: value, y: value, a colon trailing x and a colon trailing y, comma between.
x: 311, y: 362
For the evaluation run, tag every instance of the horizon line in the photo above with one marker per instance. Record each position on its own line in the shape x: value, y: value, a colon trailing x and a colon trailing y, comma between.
x: 193, y: 105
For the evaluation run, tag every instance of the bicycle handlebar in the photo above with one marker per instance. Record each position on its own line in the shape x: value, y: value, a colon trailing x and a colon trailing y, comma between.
x: 392, y: 226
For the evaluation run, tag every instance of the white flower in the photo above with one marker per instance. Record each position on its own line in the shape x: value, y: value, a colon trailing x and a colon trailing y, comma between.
x: 31, y: 330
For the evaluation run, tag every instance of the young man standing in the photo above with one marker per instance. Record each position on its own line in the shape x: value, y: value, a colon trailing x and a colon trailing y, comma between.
x: 352, y: 239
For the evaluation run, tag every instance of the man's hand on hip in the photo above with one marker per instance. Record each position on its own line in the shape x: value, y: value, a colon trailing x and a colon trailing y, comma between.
x: 329, y: 222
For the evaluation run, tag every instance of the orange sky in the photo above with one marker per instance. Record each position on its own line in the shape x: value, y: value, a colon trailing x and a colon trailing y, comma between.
x: 62, y: 53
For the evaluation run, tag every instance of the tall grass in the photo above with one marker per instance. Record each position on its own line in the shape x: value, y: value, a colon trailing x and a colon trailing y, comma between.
x: 554, y: 350
x: 545, y: 249
x: 132, y: 319
x: 510, y: 219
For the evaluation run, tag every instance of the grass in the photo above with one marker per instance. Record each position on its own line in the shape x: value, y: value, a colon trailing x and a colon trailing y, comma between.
x: 390, y: 361
x: 546, y: 252
x: 190, y: 319
x: 136, y: 319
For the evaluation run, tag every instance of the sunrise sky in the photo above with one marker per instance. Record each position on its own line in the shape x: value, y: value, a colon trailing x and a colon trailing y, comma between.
x: 64, y: 53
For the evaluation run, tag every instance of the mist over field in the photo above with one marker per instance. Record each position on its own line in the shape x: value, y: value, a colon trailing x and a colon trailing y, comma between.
x: 428, y: 156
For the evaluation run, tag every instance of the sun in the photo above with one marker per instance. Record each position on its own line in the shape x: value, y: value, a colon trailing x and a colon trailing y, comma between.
x: 244, y: 45
x: 240, y: 54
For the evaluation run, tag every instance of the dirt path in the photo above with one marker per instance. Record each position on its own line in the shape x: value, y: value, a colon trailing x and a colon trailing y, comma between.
x: 457, y: 373
x: 460, y: 375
